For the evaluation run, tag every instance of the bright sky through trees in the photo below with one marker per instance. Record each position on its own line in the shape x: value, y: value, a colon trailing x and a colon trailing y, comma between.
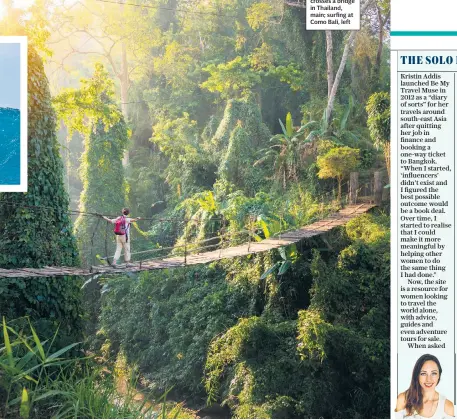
x: 19, y: 4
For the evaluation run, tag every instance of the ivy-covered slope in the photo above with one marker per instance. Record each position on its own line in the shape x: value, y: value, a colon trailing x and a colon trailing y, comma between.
x: 35, y: 226
x: 41, y: 235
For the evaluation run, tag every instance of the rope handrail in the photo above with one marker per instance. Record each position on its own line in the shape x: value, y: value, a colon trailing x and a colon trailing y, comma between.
x: 95, y: 214
x: 163, y: 262
x: 339, y: 217
x: 208, y: 239
x: 180, y: 246
x: 220, y: 237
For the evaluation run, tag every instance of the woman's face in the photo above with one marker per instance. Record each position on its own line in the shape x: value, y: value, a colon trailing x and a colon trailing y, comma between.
x: 429, y: 376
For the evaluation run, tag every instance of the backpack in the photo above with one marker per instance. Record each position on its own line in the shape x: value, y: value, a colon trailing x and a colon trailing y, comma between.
x: 120, y: 227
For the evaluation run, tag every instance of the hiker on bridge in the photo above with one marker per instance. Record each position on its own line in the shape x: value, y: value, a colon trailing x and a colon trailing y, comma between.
x: 122, y: 231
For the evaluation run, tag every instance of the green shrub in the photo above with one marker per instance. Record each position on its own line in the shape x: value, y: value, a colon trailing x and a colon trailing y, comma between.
x: 169, y: 317
x: 310, y: 341
x: 254, y: 368
x: 38, y: 383
x: 332, y: 361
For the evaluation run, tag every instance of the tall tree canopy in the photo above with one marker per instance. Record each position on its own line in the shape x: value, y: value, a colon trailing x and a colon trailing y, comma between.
x: 92, y: 112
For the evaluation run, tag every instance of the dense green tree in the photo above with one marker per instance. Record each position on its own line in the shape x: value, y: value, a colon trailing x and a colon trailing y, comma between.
x: 287, y: 152
x: 189, y: 167
x: 255, y: 369
x: 232, y: 80
x: 338, y: 163
x: 378, y: 108
x: 247, y: 113
x: 92, y: 112
x: 170, y: 338
x: 346, y: 328
x: 262, y: 366
x: 237, y: 164
x: 36, y: 226
x: 104, y: 188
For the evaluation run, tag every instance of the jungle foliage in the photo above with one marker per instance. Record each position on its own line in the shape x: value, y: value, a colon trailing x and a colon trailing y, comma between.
x: 260, y: 341
x: 36, y: 227
x: 219, y: 110
x: 91, y: 111
x: 38, y: 382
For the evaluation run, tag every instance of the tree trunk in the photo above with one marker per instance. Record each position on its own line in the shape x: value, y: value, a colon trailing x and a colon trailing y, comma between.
x: 353, y: 187
x: 329, y: 53
x: 380, y: 41
x: 340, y: 180
x: 124, y: 82
x: 68, y: 163
x: 336, y: 82
x: 377, y: 65
x: 339, y: 74
x: 378, y: 188
x: 387, y: 157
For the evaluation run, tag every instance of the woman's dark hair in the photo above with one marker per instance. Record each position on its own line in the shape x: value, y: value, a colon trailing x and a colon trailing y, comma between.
x: 414, y: 398
x: 125, y: 211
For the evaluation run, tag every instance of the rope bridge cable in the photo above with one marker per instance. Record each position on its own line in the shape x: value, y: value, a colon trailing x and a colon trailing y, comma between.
x: 320, y: 227
x: 236, y: 233
x: 337, y: 219
x: 174, y: 247
x: 250, y: 232
x: 87, y: 213
x: 198, y: 248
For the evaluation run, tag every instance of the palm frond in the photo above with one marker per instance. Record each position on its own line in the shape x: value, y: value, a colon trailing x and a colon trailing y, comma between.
x: 283, y: 128
x: 313, y: 134
x: 347, y: 111
x: 307, y: 126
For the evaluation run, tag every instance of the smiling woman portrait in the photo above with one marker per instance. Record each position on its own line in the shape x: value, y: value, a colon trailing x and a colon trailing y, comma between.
x: 421, y: 400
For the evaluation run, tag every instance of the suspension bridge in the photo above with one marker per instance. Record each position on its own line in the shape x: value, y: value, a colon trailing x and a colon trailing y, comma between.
x: 338, y: 218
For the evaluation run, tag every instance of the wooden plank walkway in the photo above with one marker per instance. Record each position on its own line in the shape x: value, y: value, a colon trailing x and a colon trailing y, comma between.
x: 337, y: 219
